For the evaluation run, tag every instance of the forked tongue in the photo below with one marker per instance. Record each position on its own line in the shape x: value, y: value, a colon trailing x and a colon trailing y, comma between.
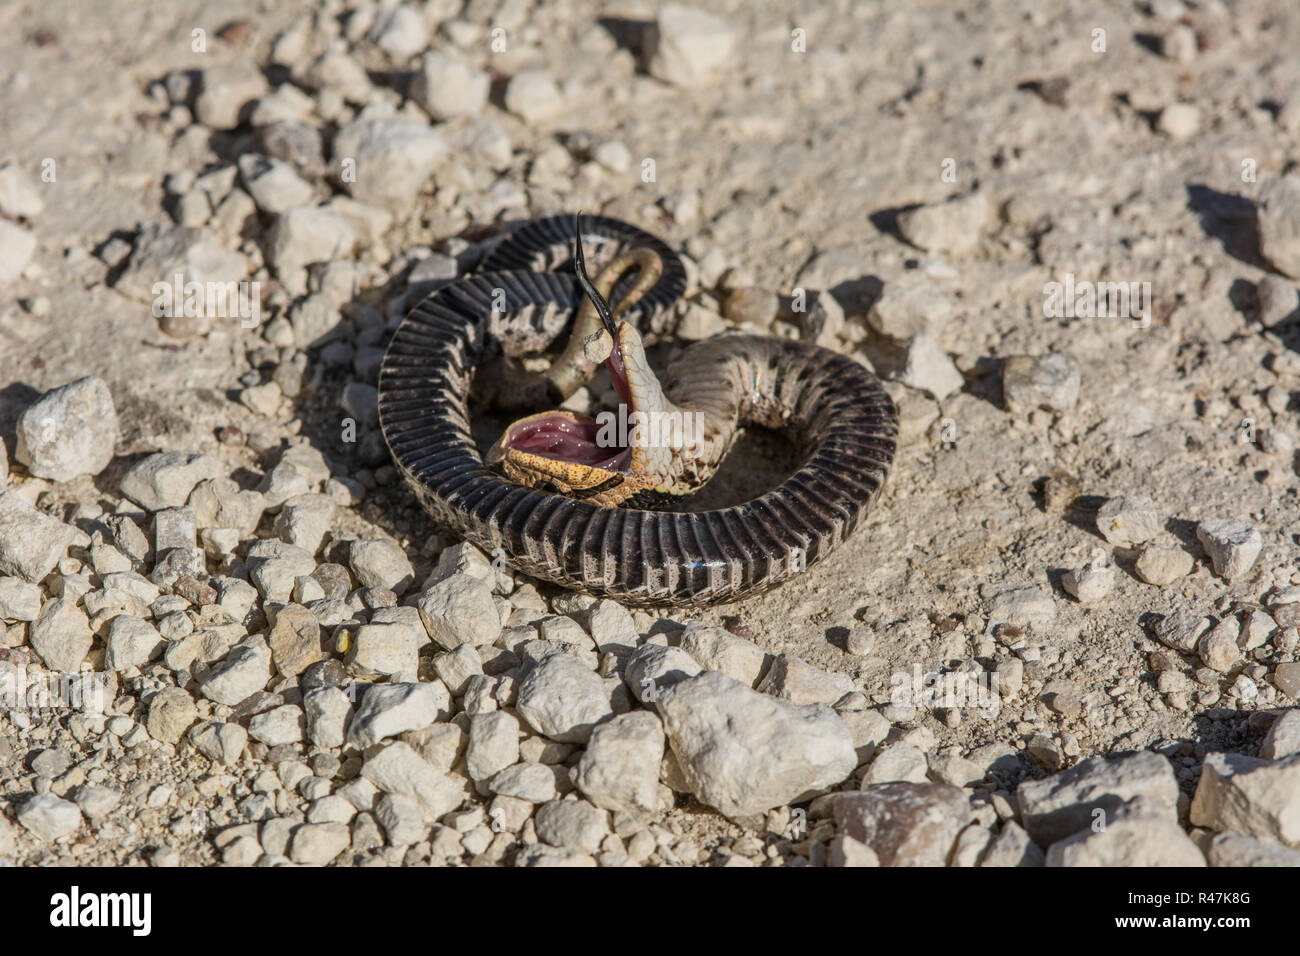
x: 603, y: 345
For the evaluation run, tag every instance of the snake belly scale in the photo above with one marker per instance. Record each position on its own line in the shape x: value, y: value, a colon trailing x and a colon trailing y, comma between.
x: 835, y: 412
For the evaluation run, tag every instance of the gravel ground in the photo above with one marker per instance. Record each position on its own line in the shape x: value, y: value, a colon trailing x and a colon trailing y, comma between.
x: 1067, y: 234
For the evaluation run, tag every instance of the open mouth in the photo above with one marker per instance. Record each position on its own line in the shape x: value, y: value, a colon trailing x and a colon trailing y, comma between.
x: 577, y: 439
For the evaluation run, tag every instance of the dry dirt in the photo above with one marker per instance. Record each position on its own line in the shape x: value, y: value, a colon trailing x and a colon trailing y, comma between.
x: 800, y: 164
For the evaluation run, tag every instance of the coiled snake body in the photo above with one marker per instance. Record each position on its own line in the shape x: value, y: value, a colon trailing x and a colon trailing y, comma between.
x: 834, y: 410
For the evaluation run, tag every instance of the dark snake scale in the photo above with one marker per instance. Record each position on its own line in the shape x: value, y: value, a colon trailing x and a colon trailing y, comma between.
x: 835, y: 412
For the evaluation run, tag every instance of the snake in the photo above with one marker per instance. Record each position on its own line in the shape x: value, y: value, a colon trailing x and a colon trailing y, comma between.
x: 596, y: 505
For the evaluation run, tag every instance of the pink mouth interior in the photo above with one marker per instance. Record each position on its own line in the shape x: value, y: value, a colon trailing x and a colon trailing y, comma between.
x: 573, y: 439
x: 618, y: 374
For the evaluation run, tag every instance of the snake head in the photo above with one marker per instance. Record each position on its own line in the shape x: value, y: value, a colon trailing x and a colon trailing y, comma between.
x: 604, y: 460
x: 590, y: 459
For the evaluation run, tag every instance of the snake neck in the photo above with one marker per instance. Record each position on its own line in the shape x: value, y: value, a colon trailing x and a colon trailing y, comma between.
x: 730, y: 381
x: 686, y: 424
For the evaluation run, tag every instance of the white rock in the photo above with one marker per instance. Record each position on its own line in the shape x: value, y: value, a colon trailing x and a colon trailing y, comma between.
x: 1274, y: 441
x: 1283, y: 737
x: 1163, y: 566
x: 304, y: 520
x: 61, y: 635
x: 307, y: 461
x: 1179, y: 43
x: 1279, y: 224
x: 619, y: 770
x: 399, y: 31
x: 336, y: 72
x: 458, y: 610
x: 326, y: 711
x: 387, y: 710
x: 718, y: 649
x: 368, y: 222
x: 96, y: 801
x: 563, y: 700
x: 49, y: 818
x: 131, y: 642
x: 1250, y: 796
x: 331, y: 809
x: 226, y: 91
x: 461, y: 558
x: 493, y: 745
x: 1128, y: 520
x: 245, y: 670
x: 1066, y: 803
x: 280, y: 484
x: 612, y: 628
x: 1257, y: 628
x: 173, y: 528
x: 540, y: 855
x: 393, y: 159
x: 869, y: 729
x: 743, y: 752
x: 951, y: 227
x: 458, y: 667
x: 1278, y: 298
x: 1089, y: 584
x: 306, y: 234
x: 1179, y: 121
x: 165, y: 479
x: 652, y: 670
x: 279, y: 725
x: 575, y: 824
x: 19, y: 196
x: 69, y: 431
x: 447, y: 87
x: 219, y: 741
x: 1130, y: 838
x: 1233, y: 849
x: 1232, y: 546
x: 17, y: 245
x: 399, y: 769
x: 1024, y: 607
x: 162, y: 252
x: 235, y: 597
x: 533, y: 96
x: 685, y: 45
x: 910, y: 305
x: 402, y: 819
x: 1180, y: 630
x: 19, y: 600
x: 929, y: 368
x: 285, y: 102
x: 384, y: 650
x: 531, y: 782
x: 799, y: 682
x: 846, y: 851
x: 561, y: 629
x: 315, y: 844
x: 897, y: 762
x: 484, y: 141
x: 614, y: 155
x: 220, y: 503
x: 171, y: 713
x: 1031, y: 382
x: 1011, y: 847
x: 274, y: 185
x: 381, y: 563
x: 31, y: 543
